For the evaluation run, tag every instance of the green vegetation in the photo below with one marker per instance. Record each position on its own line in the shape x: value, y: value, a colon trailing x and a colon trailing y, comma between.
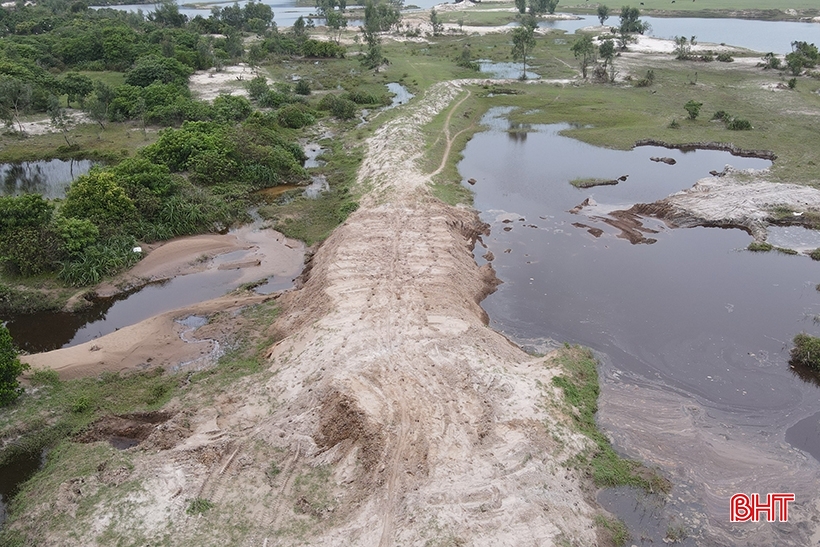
x: 760, y: 246
x: 10, y: 369
x: 614, y: 529
x: 198, y: 506
x: 806, y: 351
x: 592, y: 182
x: 579, y: 384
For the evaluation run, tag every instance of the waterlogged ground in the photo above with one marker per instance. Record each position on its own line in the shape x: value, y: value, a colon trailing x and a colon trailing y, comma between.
x: 693, y: 331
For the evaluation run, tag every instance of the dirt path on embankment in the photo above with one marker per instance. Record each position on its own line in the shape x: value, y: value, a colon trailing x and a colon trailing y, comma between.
x: 393, y: 414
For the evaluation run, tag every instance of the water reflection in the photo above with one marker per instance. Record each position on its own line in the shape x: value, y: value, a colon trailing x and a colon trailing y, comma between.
x: 694, y: 329
x: 51, y: 178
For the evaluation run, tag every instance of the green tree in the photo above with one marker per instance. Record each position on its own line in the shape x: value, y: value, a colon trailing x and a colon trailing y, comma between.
x: 15, y: 98
x: 630, y: 23
x: 521, y: 5
x: 438, y: 26
x: 10, y: 369
x: 693, y: 109
x: 77, y: 87
x: 606, y: 51
x: 523, y: 39
x: 683, y: 47
x: 584, y: 51
x: 603, y: 13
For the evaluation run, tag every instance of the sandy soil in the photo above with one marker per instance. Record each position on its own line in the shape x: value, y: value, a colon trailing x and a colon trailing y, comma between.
x: 207, y: 85
x: 394, y: 416
x: 258, y: 253
x: 739, y: 199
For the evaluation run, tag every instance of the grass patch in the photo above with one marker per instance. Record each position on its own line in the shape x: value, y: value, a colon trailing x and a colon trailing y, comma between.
x: 199, y: 506
x: 452, y: 193
x: 116, y: 141
x: 53, y: 411
x: 614, y: 530
x: 312, y: 220
x: 579, y: 384
x: 592, y: 182
x: 806, y: 351
x: 760, y: 247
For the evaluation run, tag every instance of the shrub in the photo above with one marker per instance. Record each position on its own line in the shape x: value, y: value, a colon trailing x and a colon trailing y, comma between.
x: 725, y: 58
x: 792, y: 83
x: 739, y: 124
x: 815, y: 254
x: 344, y: 109
x: 721, y: 115
x: 674, y: 124
x: 258, y: 87
x: 98, y: 198
x: 76, y: 233
x: 294, y: 116
x: 232, y: 108
x: 648, y: 80
x: 302, y: 87
x: 10, y: 369
x: 29, y: 251
x: 99, y: 260
x: 693, y: 109
x: 806, y: 351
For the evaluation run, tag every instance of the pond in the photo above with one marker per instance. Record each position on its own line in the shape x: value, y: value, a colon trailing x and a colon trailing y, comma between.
x: 692, y: 330
x: 51, y: 178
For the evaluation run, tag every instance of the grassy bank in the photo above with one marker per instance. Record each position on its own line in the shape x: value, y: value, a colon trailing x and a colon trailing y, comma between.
x: 55, y: 414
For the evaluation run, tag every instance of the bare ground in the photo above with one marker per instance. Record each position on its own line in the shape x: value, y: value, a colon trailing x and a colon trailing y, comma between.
x: 392, y: 415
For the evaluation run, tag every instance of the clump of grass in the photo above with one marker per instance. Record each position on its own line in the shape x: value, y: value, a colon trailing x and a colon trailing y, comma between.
x: 815, y: 254
x: 614, y: 528
x: 579, y: 384
x: 785, y: 251
x: 806, y: 351
x: 675, y: 533
x: 760, y: 247
x: 198, y: 506
x: 591, y: 182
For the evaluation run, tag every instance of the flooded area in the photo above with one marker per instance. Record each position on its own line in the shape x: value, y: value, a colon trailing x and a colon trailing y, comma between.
x: 401, y: 95
x: 505, y: 70
x: 12, y: 475
x: 692, y: 330
x: 51, y: 178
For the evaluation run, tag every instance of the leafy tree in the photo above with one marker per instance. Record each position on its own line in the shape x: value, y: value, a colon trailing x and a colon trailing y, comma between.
x: 15, y: 98
x: 10, y: 369
x: 76, y: 233
x: 607, y: 52
x: 523, y: 39
x: 683, y: 47
x: 152, y: 68
x: 584, y: 51
x: 166, y: 13
x: 60, y: 119
x: 693, y: 109
x: 77, y: 87
x: 438, y: 26
x: 603, y: 13
x: 521, y: 5
x: 770, y: 60
x: 630, y: 23
x: 27, y: 245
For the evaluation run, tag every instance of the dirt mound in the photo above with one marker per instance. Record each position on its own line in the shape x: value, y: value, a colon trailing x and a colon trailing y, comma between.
x: 129, y: 430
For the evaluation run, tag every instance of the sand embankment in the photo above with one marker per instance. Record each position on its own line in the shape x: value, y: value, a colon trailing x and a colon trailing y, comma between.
x: 393, y: 415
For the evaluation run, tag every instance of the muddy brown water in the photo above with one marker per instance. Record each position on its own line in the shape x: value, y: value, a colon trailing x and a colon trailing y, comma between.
x: 693, y: 331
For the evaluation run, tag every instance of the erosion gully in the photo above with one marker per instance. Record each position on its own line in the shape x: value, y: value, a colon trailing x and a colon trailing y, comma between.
x: 692, y: 330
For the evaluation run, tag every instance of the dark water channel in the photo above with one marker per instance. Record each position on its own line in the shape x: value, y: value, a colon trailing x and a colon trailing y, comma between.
x: 51, y: 178
x: 46, y: 331
x: 693, y: 331
x: 13, y: 475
